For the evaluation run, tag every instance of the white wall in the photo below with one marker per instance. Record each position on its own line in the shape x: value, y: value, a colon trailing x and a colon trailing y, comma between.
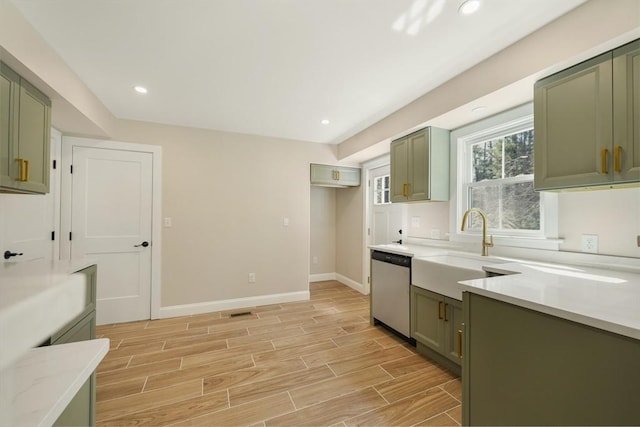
x: 227, y: 195
x: 323, y: 230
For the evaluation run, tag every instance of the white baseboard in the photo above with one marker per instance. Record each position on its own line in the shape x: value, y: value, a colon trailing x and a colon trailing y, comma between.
x: 230, y: 304
x: 351, y: 283
x: 321, y: 277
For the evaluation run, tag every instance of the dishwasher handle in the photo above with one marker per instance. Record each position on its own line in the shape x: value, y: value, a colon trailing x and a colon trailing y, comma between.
x: 396, y: 259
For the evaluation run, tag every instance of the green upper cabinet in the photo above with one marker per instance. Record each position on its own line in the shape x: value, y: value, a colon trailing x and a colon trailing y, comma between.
x: 334, y: 176
x: 420, y: 166
x: 25, y: 122
x: 587, y: 121
x: 626, y: 112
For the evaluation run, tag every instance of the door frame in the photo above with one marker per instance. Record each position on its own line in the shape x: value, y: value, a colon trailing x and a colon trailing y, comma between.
x: 68, y: 143
x: 366, y: 220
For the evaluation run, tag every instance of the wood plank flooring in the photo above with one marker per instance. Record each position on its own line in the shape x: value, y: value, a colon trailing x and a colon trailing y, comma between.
x: 311, y: 363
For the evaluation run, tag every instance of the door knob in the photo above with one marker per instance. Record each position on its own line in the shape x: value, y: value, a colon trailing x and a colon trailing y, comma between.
x: 143, y: 244
x: 9, y: 254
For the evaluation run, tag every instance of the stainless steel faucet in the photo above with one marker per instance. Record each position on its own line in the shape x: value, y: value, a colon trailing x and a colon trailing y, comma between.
x: 485, y: 244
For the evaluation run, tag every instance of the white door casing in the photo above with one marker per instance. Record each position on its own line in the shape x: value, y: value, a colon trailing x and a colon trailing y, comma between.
x: 110, y: 214
x: 386, y: 219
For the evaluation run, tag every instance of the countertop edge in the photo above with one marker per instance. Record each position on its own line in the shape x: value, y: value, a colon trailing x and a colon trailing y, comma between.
x: 50, y: 377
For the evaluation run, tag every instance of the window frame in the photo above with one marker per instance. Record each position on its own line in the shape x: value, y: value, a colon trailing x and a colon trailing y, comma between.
x: 512, y: 127
x: 503, y: 123
x: 384, y: 189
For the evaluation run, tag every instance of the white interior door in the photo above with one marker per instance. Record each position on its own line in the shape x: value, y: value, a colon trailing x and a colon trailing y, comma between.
x: 111, y: 213
x: 386, y: 219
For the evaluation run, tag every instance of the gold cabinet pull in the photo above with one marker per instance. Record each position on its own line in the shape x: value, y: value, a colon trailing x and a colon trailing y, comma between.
x: 23, y: 174
x: 446, y: 307
x: 405, y: 189
x: 616, y: 159
x: 337, y: 175
x: 439, y: 309
x: 603, y: 158
x: 459, y: 344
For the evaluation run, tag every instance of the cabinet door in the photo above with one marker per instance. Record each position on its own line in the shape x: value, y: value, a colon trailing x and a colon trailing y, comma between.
x: 573, y: 126
x: 399, y: 175
x: 427, y: 318
x: 348, y: 176
x: 9, y: 93
x: 626, y: 108
x: 81, y: 409
x: 418, y: 170
x: 34, y: 138
x: 453, y: 328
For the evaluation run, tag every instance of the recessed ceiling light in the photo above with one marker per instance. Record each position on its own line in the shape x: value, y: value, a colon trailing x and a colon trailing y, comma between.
x: 479, y: 109
x: 325, y: 122
x: 140, y: 89
x: 468, y: 7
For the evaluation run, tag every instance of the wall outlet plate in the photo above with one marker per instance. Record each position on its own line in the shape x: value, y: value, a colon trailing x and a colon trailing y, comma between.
x: 590, y: 243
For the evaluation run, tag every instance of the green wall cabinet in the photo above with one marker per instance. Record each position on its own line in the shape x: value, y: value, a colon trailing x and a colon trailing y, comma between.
x: 334, y: 176
x: 25, y: 126
x: 436, y: 322
x: 81, y: 409
x: 420, y: 166
x: 523, y: 367
x: 587, y: 123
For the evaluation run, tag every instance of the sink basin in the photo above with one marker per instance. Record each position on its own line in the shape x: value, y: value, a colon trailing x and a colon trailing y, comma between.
x: 442, y: 273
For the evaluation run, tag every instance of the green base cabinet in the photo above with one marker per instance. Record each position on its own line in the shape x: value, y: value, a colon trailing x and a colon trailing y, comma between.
x: 420, y: 166
x: 81, y: 409
x: 523, y: 367
x: 436, y: 323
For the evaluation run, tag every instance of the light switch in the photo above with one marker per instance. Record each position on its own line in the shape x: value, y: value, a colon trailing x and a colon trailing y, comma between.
x: 167, y: 222
x: 285, y: 222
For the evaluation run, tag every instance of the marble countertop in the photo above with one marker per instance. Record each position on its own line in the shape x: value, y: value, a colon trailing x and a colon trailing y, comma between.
x: 410, y: 250
x: 37, y: 298
x: 602, y: 298
x: 40, y: 385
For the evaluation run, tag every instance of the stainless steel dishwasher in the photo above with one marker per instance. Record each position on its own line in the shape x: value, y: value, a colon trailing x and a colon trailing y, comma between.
x: 390, y: 291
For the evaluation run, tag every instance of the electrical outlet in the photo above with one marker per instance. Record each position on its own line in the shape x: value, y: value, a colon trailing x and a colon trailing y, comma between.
x: 435, y: 233
x: 315, y: 260
x: 167, y: 222
x: 252, y: 277
x: 590, y: 243
x: 415, y: 221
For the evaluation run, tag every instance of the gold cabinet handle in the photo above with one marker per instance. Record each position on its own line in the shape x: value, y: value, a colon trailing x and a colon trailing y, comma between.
x: 603, y: 158
x: 439, y: 309
x: 446, y: 307
x: 405, y: 189
x: 337, y: 175
x: 616, y: 159
x: 459, y: 344
x: 23, y: 174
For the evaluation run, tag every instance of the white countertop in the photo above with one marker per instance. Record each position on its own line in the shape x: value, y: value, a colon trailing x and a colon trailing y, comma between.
x: 604, y: 299
x: 40, y: 385
x: 37, y: 298
x: 410, y: 250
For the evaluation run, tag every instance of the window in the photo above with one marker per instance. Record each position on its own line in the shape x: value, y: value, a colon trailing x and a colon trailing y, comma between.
x: 381, y: 190
x: 497, y: 176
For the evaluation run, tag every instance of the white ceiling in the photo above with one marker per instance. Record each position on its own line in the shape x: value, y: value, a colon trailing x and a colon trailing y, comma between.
x: 276, y: 67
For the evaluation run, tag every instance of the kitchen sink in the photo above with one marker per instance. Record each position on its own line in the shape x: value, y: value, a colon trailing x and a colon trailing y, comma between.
x: 442, y: 273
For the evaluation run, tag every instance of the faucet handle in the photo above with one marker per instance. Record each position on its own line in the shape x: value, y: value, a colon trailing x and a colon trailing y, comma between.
x: 490, y: 242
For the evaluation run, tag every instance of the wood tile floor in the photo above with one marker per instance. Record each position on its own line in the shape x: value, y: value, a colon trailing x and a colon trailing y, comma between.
x: 311, y: 363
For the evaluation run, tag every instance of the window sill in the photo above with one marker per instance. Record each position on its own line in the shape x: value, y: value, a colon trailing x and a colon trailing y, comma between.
x: 544, y: 243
